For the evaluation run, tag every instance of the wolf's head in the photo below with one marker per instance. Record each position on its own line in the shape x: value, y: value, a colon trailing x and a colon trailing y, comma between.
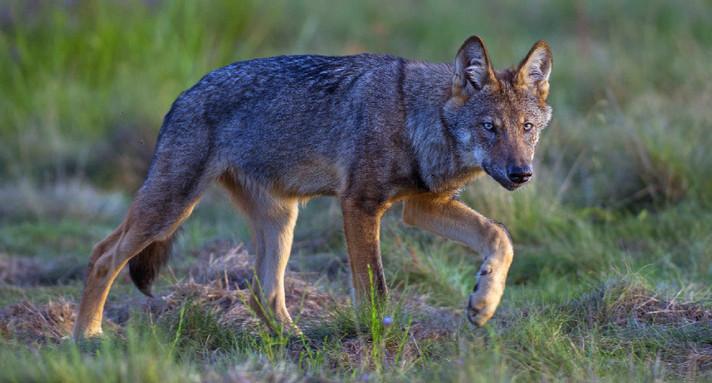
x: 495, y: 117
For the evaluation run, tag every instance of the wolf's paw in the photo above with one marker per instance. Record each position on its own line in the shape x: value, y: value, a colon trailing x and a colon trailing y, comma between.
x: 481, y: 306
x: 79, y: 333
x: 87, y: 340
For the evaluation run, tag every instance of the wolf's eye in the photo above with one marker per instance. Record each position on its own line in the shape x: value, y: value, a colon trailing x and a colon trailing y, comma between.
x: 528, y: 126
x: 488, y: 125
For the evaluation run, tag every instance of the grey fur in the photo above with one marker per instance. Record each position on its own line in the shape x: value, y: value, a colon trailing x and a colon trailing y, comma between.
x: 370, y: 129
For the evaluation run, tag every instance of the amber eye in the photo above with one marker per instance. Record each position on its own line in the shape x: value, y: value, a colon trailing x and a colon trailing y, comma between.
x: 528, y: 126
x: 488, y: 125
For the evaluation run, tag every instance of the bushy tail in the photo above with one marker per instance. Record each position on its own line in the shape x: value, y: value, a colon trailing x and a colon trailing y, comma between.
x: 145, y: 266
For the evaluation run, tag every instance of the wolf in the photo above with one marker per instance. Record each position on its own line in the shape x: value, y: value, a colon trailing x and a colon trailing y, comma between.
x: 369, y: 129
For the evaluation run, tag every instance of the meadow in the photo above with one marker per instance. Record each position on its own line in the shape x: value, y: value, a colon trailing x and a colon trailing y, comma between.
x: 612, y: 269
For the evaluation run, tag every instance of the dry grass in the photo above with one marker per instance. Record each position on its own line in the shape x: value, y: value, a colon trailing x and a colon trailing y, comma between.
x: 632, y: 317
x: 37, y: 324
x: 224, y: 280
x: 627, y: 315
x: 633, y: 304
x: 219, y: 285
x: 639, y: 307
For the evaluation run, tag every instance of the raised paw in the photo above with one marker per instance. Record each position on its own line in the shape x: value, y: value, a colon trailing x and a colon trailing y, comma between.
x: 483, y: 301
x: 480, y: 309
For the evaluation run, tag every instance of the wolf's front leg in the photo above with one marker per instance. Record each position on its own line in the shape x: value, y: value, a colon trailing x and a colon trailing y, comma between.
x: 361, y: 228
x: 450, y: 218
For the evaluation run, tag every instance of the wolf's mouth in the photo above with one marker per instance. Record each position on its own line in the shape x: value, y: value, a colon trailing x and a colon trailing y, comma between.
x: 512, y: 186
x: 506, y: 181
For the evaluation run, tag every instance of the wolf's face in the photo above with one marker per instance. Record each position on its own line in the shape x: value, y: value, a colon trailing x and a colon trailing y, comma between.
x: 495, y: 117
x: 505, y: 125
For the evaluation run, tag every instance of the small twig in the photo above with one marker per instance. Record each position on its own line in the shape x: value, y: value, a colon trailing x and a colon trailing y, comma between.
x: 420, y: 353
x: 175, y: 280
x: 673, y: 299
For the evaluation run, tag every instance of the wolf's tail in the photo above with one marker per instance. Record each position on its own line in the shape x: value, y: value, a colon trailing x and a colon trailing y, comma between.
x: 145, y: 266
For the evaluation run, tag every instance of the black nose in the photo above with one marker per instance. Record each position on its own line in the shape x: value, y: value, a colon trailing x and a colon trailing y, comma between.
x: 519, y: 175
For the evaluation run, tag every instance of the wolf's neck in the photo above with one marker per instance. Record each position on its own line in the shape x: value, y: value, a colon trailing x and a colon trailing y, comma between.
x: 426, y: 89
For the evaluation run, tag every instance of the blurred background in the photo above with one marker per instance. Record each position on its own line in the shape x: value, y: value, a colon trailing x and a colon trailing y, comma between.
x: 85, y: 84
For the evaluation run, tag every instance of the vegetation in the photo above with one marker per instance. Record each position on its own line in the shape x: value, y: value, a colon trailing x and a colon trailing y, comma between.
x: 611, y: 277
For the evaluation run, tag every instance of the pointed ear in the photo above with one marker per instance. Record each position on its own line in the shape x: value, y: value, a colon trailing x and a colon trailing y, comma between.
x: 533, y: 72
x: 473, y: 71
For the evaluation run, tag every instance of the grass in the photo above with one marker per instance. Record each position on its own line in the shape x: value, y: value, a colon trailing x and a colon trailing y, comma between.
x: 610, y: 280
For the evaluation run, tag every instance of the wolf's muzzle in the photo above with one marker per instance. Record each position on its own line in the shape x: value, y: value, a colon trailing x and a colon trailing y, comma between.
x: 519, y: 175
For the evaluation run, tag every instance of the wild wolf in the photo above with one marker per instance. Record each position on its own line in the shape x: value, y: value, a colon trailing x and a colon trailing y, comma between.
x: 370, y: 129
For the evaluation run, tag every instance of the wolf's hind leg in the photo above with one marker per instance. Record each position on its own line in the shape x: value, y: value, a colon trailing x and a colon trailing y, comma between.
x: 166, y: 199
x: 272, y: 221
x: 143, y: 226
x: 452, y: 219
x: 274, y: 228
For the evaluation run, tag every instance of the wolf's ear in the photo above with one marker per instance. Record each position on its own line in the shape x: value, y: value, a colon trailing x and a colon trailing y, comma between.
x: 472, y: 68
x: 533, y: 72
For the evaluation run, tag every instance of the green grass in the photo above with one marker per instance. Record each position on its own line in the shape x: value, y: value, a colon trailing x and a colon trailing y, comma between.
x: 139, y: 357
x: 610, y: 280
